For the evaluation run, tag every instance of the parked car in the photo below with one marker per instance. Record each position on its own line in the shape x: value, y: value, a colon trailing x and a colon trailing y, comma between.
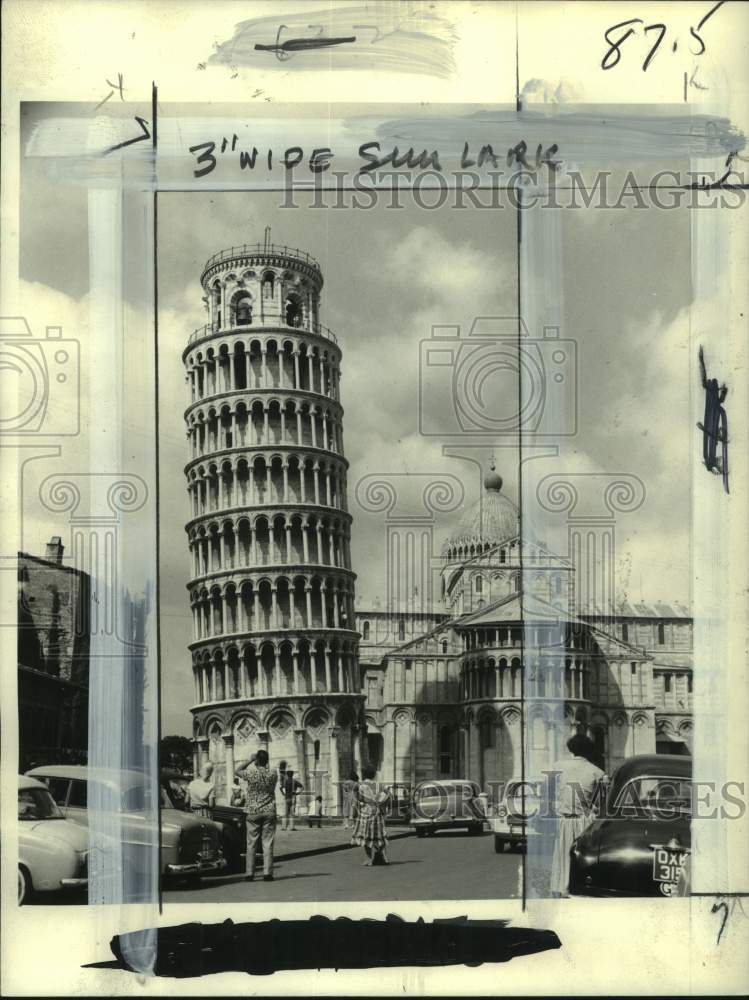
x: 399, y: 802
x: 515, y: 814
x: 190, y: 845
x: 640, y: 843
x: 447, y: 805
x: 52, y: 850
x: 231, y: 820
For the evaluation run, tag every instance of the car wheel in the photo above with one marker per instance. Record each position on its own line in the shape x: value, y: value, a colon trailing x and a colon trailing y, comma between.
x: 24, y: 886
x: 475, y: 829
x: 431, y: 833
x: 420, y: 831
x: 499, y: 845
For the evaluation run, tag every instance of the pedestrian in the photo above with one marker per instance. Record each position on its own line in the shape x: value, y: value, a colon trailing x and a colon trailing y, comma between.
x: 290, y: 788
x: 201, y: 792
x: 577, y: 791
x: 349, y: 803
x: 260, y: 805
x: 237, y: 795
x: 314, y: 813
x: 369, y: 830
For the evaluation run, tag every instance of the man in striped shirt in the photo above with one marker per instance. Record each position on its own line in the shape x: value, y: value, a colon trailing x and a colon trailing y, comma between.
x: 260, y: 805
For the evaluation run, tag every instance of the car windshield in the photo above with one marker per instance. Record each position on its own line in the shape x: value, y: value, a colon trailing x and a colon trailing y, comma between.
x: 173, y: 794
x: 137, y: 798
x: 440, y: 791
x: 660, y: 793
x: 37, y: 803
x: 519, y: 790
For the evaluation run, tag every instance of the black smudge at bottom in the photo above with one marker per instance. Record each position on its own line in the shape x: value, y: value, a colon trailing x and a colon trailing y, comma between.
x: 270, y: 946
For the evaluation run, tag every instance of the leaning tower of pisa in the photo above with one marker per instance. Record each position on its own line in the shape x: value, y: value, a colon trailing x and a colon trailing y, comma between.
x: 274, y: 648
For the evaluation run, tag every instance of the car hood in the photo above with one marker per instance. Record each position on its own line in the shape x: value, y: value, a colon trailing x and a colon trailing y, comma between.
x: 63, y: 830
x: 177, y: 819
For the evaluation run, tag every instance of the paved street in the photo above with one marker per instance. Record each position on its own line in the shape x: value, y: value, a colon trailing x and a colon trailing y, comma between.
x: 450, y: 865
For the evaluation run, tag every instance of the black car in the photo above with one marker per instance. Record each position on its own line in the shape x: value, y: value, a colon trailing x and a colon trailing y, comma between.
x: 231, y: 820
x: 641, y: 840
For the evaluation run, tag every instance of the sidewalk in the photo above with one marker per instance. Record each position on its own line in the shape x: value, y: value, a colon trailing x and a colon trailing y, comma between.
x: 303, y: 842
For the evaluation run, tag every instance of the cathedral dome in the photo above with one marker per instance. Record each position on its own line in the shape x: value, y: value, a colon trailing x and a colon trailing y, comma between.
x: 492, y: 519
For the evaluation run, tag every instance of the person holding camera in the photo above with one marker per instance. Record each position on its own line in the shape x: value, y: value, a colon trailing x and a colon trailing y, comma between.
x: 260, y: 804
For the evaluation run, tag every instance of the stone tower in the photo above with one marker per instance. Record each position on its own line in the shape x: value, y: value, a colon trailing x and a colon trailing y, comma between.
x: 274, y: 647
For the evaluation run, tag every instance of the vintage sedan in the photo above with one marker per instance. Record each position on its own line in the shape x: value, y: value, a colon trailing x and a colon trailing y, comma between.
x: 231, y: 820
x: 515, y: 814
x: 52, y: 850
x: 447, y: 805
x: 640, y: 843
x: 190, y: 845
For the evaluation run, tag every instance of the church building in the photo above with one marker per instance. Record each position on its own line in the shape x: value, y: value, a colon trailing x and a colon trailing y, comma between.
x: 457, y: 694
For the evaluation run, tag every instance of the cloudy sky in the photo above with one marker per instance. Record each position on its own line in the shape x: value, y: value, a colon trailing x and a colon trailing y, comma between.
x: 389, y: 277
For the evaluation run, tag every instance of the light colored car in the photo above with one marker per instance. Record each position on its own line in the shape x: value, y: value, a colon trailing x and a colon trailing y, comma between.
x: 515, y: 812
x: 52, y: 850
x: 190, y: 844
x: 446, y: 805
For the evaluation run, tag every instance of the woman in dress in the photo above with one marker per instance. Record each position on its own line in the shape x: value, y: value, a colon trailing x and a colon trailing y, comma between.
x: 577, y: 792
x: 369, y: 829
x: 201, y: 792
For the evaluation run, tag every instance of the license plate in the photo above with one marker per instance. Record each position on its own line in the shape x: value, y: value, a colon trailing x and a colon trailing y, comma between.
x: 668, y: 864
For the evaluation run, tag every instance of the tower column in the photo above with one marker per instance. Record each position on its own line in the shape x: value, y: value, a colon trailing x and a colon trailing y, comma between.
x: 335, y: 778
x: 328, y: 685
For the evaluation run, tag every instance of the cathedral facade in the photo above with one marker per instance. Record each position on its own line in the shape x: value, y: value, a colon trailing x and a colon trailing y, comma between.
x: 507, y: 667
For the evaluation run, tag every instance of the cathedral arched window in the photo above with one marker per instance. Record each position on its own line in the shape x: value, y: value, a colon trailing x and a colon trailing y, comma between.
x: 401, y: 630
x: 661, y: 634
x: 445, y: 750
x: 365, y: 631
x: 444, y: 645
x: 479, y: 584
x: 625, y: 632
x: 268, y: 285
x: 502, y: 556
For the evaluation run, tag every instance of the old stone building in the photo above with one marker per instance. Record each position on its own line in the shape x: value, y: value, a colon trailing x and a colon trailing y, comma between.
x: 53, y: 648
x: 448, y: 702
x: 281, y: 656
x: 274, y: 650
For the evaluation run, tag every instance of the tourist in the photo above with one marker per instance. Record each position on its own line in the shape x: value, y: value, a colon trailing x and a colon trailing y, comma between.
x: 291, y: 789
x: 578, y: 787
x: 369, y: 830
x: 201, y: 793
x: 349, y: 802
x: 314, y: 813
x: 260, y: 805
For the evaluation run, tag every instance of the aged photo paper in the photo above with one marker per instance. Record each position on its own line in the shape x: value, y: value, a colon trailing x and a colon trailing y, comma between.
x: 374, y: 439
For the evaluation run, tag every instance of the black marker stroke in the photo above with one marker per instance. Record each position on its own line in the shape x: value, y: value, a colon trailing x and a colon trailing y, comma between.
x: 715, y: 428
x: 265, y: 947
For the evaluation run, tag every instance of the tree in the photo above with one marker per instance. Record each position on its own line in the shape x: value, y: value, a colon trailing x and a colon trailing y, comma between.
x: 176, y: 752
